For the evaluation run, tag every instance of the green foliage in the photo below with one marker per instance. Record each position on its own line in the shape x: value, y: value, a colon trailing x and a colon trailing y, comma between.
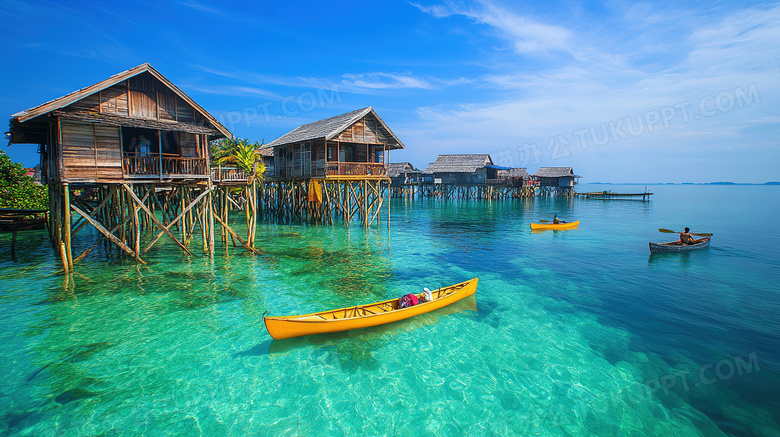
x: 240, y: 153
x: 220, y: 149
x: 18, y: 190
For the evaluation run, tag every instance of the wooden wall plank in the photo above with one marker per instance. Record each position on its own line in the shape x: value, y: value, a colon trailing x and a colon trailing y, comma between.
x: 143, y: 96
x: 89, y: 103
x: 167, y: 102
x: 184, y: 112
x: 189, y: 145
x: 114, y: 99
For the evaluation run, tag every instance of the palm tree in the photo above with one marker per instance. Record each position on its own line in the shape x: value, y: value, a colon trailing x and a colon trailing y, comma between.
x: 243, y: 155
x: 220, y: 149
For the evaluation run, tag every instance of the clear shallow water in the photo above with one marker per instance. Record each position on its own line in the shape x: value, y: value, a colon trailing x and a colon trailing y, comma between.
x: 571, y: 333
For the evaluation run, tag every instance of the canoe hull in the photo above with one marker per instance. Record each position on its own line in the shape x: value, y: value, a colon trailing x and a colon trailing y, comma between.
x: 540, y: 226
x: 360, y: 317
x: 677, y: 247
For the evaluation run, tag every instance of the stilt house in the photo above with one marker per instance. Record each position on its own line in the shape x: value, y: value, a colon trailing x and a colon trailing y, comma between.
x: 351, y: 144
x: 462, y: 169
x: 516, y: 177
x: 133, y: 126
x: 401, y: 173
x: 121, y: 153
x: 556, y: 177
x: 331, y: 168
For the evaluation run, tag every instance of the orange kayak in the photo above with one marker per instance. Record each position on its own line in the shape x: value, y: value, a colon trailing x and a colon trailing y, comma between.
x: 363, y: 316
x: 555, y: 226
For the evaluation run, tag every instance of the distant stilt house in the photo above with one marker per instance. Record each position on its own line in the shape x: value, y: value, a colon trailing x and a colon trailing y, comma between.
x: 473, y: 176
x: 405, y: 179
x: 332, y: 167
x: 135, y: 147
x: 401, y: 173
x: 516, y: 177
x: 462, y: 169
x: 556, y: 181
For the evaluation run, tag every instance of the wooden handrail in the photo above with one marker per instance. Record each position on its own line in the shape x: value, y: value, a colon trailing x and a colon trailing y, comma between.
x: 355, y: 169
x: 134, y: 164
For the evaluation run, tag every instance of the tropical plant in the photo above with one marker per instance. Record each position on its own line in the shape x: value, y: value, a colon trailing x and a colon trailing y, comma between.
x: 221, y: 149
x: 243, y: 155
x: 17, y: 190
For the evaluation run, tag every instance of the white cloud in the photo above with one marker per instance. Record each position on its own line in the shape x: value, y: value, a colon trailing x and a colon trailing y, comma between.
x: 597, y: 87
x: 526, y: 35
x: 385, y: 80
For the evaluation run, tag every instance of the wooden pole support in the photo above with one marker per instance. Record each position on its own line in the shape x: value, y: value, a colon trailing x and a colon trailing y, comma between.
x: 66, y: 225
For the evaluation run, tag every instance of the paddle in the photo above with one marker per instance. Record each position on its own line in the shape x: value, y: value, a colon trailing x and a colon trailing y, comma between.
x: 669, y: 231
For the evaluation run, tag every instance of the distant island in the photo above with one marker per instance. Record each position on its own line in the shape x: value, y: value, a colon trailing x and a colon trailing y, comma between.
x: 679, y: 183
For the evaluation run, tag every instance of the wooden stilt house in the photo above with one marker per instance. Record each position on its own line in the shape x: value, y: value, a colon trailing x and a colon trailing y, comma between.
x: 342, y: 158
x: 351, y: 144
x: 462, y: 169
x: 556, y: 180
x: 133, y: 126
x: 137, y: 144
x: 402, y: 173
x: 516, y: 177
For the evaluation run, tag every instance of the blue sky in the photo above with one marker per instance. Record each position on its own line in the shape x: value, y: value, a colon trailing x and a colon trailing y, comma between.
x: 622, y: 91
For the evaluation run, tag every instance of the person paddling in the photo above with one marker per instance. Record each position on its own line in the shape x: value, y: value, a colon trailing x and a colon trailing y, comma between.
x: 686, y: 237
x: 556, y: 221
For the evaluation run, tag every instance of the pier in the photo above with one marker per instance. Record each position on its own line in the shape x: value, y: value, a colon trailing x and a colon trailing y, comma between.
x: 609, y: 195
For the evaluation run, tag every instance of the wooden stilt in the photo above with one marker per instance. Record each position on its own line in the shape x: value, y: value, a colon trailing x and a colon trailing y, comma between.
x: 64, y: 254
x: 66, y: 225
x: 109, y: 235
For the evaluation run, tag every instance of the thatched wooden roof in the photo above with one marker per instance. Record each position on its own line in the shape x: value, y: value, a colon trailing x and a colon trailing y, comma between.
x: 458, y: 163
x: 330, y: 128
x: 21, y: 117
x: 394, y: 169
x: 265, y: 152
x: 555, y: 172
x: 514, y: 173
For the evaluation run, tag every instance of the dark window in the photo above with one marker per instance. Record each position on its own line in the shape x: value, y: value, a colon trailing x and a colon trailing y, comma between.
x: 145, y: 142
x: 140, y: 142
x: 170, y: 143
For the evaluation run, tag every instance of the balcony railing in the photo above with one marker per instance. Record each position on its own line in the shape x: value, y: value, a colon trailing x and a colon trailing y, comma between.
x: 167, y: 165
x: 355, y: 169
x: 225, y: 174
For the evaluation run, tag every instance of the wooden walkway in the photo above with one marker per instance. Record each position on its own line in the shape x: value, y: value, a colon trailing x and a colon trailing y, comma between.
x: 609, y: 195
x: 14, y: 220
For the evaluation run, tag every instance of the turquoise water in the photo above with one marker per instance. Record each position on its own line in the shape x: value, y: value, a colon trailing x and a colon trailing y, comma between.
x: 579, y: 332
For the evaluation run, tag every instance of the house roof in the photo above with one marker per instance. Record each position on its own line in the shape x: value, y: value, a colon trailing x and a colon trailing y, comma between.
x: 458, y: 163
x: 555, y: 172
x: 331, y: 127
x: 265, y: 152
x: 396, y: 168
x: 515, y: 173
x: 75, y: 96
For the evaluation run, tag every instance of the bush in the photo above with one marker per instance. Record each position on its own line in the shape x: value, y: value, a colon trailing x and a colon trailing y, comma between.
x: 17, y: 190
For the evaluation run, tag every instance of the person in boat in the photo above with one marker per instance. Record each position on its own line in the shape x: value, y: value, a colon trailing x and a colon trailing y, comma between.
x: 556, y: 221
x: 687, y: 238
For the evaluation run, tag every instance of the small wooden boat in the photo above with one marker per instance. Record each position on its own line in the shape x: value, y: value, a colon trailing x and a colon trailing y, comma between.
x: 363, y: 316
x: 676, y: 246
x: 540, y: 226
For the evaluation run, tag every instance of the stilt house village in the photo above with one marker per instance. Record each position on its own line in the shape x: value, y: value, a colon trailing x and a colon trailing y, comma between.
x: 391, y: 229
x: 132, y: 156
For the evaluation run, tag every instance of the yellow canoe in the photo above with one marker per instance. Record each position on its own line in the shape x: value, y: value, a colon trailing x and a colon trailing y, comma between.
x: 363, y: 316
x: 554, y: 226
